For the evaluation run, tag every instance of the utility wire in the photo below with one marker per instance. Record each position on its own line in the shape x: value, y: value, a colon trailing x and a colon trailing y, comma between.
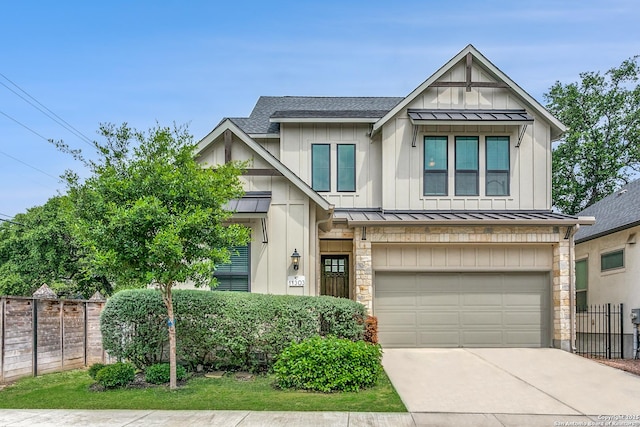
x: 28, y: 165
x: 53, y: 116
x: 24, y: 126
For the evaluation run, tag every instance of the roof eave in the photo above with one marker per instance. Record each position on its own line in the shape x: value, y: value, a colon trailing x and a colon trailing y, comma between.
x: 324, y: 120
x: 484, y: 222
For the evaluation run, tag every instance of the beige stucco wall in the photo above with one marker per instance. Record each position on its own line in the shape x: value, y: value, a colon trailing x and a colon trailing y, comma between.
x: 613, y: 286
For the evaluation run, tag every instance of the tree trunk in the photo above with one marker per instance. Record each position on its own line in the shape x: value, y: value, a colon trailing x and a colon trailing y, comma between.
x: 168, y: 302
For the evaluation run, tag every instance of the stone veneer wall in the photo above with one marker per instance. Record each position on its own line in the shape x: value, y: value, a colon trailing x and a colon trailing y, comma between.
x: 562, y: 268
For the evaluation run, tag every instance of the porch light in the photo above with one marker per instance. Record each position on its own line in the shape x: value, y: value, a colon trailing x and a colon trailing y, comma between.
x: 295, y: 259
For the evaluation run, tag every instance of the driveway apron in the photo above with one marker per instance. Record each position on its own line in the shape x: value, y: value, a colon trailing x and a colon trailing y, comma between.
x: 509, y: 381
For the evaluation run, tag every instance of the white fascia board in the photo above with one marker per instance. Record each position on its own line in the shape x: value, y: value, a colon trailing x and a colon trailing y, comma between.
x: 528, y: 99
x: 264, y: 135
x: 266, y: 156
x: 444, y: 222
x: 325, y: 120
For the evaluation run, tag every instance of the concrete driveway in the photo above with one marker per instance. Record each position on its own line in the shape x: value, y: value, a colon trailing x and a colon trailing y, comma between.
x: 510, y: 387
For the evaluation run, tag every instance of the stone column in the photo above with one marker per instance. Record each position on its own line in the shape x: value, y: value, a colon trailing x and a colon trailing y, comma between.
x: 562, y: 295
x: 364, y: 270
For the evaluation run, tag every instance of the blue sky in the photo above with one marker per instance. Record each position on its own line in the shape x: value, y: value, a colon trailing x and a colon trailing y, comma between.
x: 195, y: 62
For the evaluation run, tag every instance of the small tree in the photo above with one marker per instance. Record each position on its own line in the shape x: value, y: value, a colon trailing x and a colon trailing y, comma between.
x: 150, y: 214
x: 601, y: 149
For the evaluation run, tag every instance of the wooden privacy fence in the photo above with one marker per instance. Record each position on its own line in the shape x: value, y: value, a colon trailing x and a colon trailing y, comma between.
x: 39, y: 336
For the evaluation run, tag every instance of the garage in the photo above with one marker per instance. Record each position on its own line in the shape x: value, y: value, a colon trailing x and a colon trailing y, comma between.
x: 469, y: 309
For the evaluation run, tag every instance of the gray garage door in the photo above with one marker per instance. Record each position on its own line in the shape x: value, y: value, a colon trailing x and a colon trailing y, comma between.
x: 462, y: 309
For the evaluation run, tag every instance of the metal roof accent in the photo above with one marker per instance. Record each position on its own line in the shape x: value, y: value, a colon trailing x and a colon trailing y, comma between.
x: 618, y: 211
x: 253, y: 202
x: 420, y: 116
x: 370, y: 217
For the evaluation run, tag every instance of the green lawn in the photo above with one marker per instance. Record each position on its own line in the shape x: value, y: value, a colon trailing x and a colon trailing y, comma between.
x: 70, y: 390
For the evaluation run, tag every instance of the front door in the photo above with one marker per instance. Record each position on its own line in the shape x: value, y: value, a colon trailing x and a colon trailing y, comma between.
x: 335, y: 276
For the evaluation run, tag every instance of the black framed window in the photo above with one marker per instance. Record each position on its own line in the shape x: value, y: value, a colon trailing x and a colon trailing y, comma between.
x: 497, y: 155
x: 346, y: 167
x: 435, y: 166
x: 466, y: 174
x: 321, y: 167
x: 234, y: 276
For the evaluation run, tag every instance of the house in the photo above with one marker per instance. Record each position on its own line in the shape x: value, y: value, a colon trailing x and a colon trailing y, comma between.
x: 607, y: 260
x: 433, y: 210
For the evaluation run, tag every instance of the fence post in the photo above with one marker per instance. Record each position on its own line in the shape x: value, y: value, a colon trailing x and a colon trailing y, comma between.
x: 34, y: 322
x: 621, y: 320
x: 608, y: 330
x: 2, y: 300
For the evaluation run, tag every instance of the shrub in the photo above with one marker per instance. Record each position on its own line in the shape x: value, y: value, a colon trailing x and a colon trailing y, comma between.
x: 159, y: 373
x: 328, y: 364
x: 93, y: 370
x: 222, y: 329
x: 371, y: 330
x: 117, y: 375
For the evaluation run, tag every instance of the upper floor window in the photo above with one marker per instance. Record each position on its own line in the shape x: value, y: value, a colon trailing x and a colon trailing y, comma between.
x: 466, y: 176
x: 344, y: 168
x: 234, y: 276
x: 321, y: 167
x: 497, y: 178
x: 435, y: 166
x: 612, y: 260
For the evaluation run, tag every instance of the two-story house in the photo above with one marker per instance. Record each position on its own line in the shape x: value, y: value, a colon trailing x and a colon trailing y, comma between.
x: 432, y: 210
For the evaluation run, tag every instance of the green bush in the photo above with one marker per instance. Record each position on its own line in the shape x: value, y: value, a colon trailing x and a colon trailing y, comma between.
x: 328, y: 364
x: 159, y: 373
x: 93, y: 370
x: 117, y: 375
x: 225, y: 330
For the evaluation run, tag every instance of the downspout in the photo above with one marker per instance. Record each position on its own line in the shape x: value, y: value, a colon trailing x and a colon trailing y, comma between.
x: 572, y: 281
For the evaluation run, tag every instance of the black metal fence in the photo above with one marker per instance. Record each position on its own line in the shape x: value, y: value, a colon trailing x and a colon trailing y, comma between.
x: 599, y: 331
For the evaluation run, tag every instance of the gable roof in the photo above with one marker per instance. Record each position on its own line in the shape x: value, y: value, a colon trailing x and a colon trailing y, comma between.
x: 557, y: 128
x: 228, y: 124
x: 259, y: 121
x: 616, y: 212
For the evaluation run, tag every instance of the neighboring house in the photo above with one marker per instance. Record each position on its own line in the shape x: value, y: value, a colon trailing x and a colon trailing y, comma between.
x: 607, y: 259
x: 432, y: 210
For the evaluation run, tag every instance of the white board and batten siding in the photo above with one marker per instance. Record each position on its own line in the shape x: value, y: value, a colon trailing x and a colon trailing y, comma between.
x: 530, y: 163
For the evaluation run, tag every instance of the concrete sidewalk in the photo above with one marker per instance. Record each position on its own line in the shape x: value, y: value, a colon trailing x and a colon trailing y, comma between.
x: 115, y: 418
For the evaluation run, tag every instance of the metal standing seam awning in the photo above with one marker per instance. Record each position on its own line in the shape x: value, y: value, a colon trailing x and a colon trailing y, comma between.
x: 466, y: 117
x: 408, y: 218
x: 254, y: 204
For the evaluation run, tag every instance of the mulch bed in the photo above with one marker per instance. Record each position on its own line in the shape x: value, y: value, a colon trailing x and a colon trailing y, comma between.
x: 629, y: 365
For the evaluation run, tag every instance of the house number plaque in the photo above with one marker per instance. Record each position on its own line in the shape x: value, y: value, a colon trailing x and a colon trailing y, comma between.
x: 295, y: 281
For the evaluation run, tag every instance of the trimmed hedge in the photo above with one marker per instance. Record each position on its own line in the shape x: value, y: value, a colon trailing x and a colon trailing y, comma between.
x: 160, y: 373
x: 225, y: 330
x: 116, y: 375
x: 329, y: 364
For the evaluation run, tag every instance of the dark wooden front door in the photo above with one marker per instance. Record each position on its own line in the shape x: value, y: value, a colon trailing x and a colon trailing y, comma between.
x: 335, y: 275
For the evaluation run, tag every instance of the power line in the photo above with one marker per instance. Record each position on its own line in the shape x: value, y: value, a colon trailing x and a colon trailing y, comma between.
x: 28, y: 165
x: 24, y: 126
x: 53, y: 116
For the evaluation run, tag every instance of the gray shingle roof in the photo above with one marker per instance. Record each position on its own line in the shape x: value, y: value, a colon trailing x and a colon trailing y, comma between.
x: 258, y: 121
x: 615, y: 212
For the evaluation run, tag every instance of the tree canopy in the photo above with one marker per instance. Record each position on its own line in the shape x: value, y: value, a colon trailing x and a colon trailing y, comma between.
x: 601, y: 149
x: 39, y: 247
x: 149, y: 214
